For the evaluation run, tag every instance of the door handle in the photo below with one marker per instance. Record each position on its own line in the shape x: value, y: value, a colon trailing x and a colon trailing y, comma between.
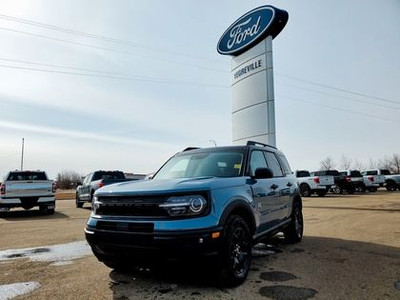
x: 289, y: 184
x: 274, y: 186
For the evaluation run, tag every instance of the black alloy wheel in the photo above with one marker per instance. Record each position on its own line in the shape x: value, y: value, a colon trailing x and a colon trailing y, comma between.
x: 294, y: 232
x: 236, y: 251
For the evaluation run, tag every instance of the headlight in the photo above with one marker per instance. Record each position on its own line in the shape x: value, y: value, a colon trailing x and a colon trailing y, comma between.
x: 95, y: 204
x: 185, y: 205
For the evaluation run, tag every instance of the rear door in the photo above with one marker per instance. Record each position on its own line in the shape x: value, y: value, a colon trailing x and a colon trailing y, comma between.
x: 265, y: 193
x: 283, y: 185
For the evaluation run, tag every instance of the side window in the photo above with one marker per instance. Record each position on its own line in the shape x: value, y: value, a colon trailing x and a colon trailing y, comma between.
x: 273, y: 164
x: 86, y: 180
x: 257, y: 160
x: 286, y: 166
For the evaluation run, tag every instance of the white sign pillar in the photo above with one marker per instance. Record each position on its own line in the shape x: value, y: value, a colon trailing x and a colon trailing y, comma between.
x: 253, y: 108
x: 249, y: 41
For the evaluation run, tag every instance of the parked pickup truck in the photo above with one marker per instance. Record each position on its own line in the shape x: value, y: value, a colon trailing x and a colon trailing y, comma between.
x: 354, y: 178
x: 309, y: 185
x: 372, y: 181
x: 215, y: 201
x: 28, y: 189
x: 392, y: 181
x: 94, y: 181
x: 341, y: 182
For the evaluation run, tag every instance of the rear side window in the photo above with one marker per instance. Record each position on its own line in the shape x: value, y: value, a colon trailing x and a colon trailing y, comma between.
x: 385, y: 172
x: 108, y: 175
x: 273, y: 164
x: 286, y: 167
x: 355, y: 174
x: 22, y: 176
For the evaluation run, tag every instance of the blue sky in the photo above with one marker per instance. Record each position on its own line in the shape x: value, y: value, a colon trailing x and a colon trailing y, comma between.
x: 126, y: 84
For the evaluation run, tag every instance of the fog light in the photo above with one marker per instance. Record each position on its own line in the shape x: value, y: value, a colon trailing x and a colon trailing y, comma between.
x: 215, y: 235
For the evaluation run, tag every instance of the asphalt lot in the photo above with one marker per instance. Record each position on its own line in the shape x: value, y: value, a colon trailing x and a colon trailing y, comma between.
x: 351, y: 250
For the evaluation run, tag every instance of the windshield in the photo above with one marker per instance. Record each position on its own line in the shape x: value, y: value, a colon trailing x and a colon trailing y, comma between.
x: 216, y: 164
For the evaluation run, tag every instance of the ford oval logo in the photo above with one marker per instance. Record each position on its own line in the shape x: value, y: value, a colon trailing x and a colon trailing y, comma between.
x: 251, y: 28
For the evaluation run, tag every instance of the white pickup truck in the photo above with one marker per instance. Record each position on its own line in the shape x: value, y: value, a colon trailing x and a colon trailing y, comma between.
x: 372, y: 180
x: 309, y: 185
x: 392, y: 181
x: 27, y: 189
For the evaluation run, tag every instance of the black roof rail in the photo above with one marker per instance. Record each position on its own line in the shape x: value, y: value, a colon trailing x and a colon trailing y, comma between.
x: 253, y: 143
x: 190, y: 148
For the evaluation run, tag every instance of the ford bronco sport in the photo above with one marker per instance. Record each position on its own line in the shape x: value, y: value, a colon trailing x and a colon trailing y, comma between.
x: 217, y: 200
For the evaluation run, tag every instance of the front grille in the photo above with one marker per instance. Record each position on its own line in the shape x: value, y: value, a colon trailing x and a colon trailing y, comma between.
x: 132, y: 206
x: 124, y: 226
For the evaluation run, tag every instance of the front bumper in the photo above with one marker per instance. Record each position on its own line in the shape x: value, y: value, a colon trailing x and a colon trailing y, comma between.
x: 172, y: 244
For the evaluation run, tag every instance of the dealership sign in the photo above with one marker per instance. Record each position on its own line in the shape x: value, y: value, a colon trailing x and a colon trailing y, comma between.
x: 252, y: 28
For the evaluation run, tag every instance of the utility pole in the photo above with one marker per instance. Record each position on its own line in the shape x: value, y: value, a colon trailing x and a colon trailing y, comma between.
x: 22, y: 155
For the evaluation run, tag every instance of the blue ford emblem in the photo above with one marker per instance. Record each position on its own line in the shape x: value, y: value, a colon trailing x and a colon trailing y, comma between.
x: 251, y: 28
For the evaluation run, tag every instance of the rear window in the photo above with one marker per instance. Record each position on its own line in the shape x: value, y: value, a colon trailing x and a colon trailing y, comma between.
x: 327, y: 172
x: 20, y: 176
x: 355, y: 174
x: 108, y: 175
x: 303, y: 174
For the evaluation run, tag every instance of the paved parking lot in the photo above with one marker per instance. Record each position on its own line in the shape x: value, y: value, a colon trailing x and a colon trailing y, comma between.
x: 351, y: 250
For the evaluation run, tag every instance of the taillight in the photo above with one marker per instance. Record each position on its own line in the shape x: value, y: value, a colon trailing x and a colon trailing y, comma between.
x: 371, y: 178
x: 54, y: 187
x: 100, y: 184
x: 3, y: 189
x: 316, y: 180
x: 348, y: 179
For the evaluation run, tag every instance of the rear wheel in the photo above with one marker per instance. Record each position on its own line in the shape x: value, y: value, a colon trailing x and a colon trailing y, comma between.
x: 390, y: 186
x: 362, y: 188
x: 235, y: 253
x: 337, y: 189
x: 44, y: 209
x: 305, y: 190
x: 294, y: 233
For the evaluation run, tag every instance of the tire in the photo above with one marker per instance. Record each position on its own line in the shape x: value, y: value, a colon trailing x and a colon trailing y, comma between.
x: 45, y: 210
x: 78, y: 204
x: 294, y: 232
x: 305, y: 190
x: 337, y: 189
x: 321, y: 194
x: 235, y: 252
x: 372, y: 189
x: 391, y: 186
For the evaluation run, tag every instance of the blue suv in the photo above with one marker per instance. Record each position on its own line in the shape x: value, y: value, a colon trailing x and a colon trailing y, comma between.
x: 217, y: 200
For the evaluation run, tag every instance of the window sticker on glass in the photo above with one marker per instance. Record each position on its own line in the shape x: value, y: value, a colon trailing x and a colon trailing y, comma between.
x: 237, y: 166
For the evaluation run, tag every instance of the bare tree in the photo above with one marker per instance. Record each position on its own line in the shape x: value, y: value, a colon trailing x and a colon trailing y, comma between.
x: 345, y: 162
x: 358, y: 165
x: 385, y: 163
x: 327, y: 164
x: 373, y: 164
x: 67, y: 179
x: 396, y: 163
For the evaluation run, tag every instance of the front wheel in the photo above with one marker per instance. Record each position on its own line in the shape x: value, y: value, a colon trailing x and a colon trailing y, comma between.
x: 235, y: 253
x: 294, y: 232
x: 337, y: 189
x: 78, y: 204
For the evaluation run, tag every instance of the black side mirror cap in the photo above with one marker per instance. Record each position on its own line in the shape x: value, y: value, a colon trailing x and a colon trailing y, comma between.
x: 263, y: 173
x: 78, y: 183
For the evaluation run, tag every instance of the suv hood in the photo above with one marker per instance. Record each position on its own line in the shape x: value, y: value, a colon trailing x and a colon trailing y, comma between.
x: 163, y: 186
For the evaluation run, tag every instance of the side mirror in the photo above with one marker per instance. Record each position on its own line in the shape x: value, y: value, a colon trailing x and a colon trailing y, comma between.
x: 263, y: 173
x: 78, y: 183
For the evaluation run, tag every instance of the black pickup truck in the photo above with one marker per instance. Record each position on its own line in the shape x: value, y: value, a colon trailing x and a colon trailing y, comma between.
x: 94, y: 181
x: 342, y: 182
